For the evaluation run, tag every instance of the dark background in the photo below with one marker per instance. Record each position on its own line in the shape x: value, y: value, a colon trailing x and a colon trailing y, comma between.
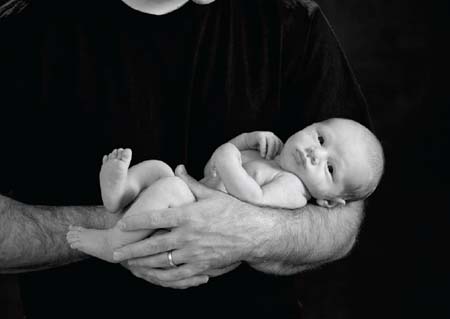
x: 400, y: 54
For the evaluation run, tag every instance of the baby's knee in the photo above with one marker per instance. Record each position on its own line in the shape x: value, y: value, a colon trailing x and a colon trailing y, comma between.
x: 173, y: 184
x: 146, y: 173
x: 160, y: 167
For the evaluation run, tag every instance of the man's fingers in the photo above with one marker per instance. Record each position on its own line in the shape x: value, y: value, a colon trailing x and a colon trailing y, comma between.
x: 155, y: 261
x: 174, y: 274
x: 177, y: 284
x: 221, y: 271
x: 159, y: 260
x: 187, y: 283
x: 150, y: 246
x: 182, y: 284
x: 199, y: 190
x: 154, y: 219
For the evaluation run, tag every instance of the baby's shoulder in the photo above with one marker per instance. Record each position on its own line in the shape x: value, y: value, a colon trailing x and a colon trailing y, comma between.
x: 288, y: 177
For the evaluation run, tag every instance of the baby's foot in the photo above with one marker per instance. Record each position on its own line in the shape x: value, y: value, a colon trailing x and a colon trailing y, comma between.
x: 91, y: 241
x: 113, y: 176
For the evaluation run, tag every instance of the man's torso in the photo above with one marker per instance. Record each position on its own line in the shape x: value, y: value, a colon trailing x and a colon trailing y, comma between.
x: 85, y: 83
x: 80, y: 81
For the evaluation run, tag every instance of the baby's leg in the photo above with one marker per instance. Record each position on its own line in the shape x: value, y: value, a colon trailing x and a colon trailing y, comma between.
x: 120, y: 185
x: 113, y: 177
x: 164, y: 193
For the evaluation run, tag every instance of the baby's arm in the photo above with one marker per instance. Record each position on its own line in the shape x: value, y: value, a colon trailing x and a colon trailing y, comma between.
x: 227, y: 163
x: 283, y: 191
x: 268, y: 144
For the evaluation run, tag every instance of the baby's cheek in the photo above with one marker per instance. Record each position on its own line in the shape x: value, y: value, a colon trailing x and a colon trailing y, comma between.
x: 314, y: 185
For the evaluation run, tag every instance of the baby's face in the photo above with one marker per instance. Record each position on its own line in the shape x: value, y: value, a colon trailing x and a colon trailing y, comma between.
x: 327, y: 156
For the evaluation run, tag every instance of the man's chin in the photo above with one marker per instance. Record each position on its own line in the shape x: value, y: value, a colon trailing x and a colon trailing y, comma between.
x: 155, y: 7
x: 203, y: 1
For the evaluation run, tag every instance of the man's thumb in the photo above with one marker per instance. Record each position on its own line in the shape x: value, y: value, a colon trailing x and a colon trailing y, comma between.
x: 199, y: 190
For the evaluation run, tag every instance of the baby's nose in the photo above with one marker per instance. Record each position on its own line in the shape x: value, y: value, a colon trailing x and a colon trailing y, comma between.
x: 316, y: 154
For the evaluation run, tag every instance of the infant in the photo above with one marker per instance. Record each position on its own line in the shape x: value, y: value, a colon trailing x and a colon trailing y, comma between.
x: 332, y: 162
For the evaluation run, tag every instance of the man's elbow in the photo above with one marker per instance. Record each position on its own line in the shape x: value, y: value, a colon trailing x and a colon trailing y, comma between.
x: 350, y: 229
x: 346, y: 248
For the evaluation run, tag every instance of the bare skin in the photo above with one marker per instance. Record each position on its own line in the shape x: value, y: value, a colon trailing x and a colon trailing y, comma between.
x: 246, y: 174
x: 113, y: 176
x: 120, y: 186
x: 32, y: 237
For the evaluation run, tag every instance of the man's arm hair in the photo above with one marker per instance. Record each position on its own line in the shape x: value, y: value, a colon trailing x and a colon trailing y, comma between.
x: 307, y: 238
x: 318, y: 77
x: 9, y: 7
x: 34, y: 237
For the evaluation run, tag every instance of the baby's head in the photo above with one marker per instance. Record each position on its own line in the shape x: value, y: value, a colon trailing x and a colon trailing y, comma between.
x: 338, y: 160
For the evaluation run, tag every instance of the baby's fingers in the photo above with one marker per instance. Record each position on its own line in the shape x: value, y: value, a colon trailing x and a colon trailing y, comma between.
x: 279, y: 147
x: 271, y: 148
x: 263, y: 147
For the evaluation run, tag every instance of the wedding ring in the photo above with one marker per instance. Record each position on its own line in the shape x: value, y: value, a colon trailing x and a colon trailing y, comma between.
x: 170, y: 259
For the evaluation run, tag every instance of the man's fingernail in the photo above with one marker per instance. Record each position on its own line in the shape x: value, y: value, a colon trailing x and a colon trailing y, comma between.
x: 117, y: 255
x: 121, y: 225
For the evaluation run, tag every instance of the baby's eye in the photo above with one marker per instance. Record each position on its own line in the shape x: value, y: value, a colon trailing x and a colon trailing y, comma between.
x: 321, y: 139
x: 330, y: 168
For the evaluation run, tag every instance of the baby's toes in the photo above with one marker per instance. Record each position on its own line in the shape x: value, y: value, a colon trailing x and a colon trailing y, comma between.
x: 126, y: 155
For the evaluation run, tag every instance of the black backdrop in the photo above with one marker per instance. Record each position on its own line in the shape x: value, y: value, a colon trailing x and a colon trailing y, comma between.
x: 400, y: 53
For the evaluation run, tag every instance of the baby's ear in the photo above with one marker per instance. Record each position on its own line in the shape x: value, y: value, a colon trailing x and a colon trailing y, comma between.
x: 331, y: 203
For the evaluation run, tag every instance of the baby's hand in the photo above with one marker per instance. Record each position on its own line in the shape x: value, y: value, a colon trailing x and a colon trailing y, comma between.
x: 268, y: 144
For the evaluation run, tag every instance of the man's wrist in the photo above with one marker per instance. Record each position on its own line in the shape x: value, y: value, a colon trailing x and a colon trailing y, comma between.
x: 109, y: 219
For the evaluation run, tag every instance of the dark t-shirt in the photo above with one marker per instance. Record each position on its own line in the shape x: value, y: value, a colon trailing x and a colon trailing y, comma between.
x: 81, y: 78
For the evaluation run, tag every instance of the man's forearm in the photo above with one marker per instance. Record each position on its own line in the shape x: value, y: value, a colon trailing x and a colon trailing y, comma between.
x: 306, y: 238
x: 33, y: 237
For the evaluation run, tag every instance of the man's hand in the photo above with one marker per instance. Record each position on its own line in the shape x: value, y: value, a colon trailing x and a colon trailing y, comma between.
x: 142, y: 268
x: 210, y: 236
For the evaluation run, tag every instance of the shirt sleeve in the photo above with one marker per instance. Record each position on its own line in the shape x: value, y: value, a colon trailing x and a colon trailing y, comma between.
x: 318, y: 82
x: 11, y: 7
